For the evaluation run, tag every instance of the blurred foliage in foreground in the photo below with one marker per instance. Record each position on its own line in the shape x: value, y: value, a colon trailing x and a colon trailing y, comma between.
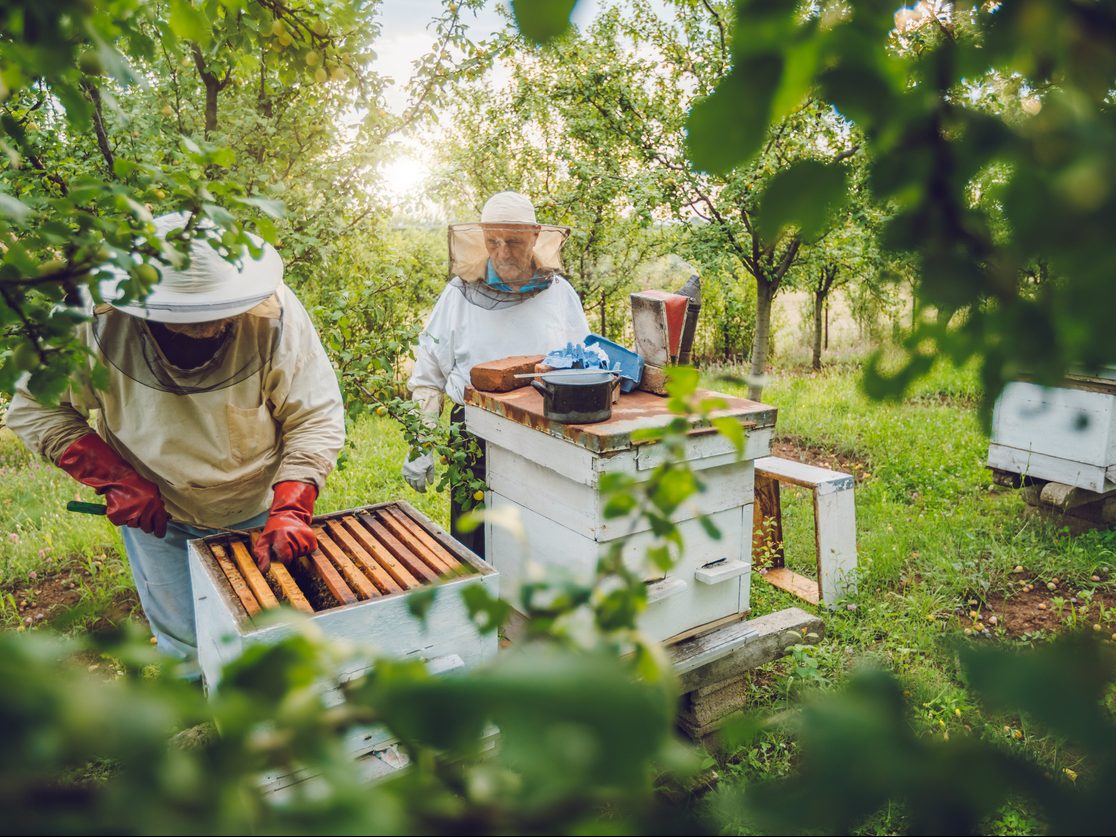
x: 90, y: 755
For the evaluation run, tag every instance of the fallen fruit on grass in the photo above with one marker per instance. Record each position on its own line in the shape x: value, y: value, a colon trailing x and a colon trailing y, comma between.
x: 1042, y: 606
x: 1050, y: 585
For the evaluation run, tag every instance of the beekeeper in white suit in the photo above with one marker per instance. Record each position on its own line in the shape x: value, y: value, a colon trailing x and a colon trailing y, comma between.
x: 506, y: 297
x: 221, y: 409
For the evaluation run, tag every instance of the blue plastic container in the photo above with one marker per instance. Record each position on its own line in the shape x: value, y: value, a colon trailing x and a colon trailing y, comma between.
x: 631, y: 364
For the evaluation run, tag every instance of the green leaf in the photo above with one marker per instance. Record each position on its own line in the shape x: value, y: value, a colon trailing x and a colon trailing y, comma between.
x: 542, y: 20
x: 188, y: 22
x: 806, y: 196
x: 727, y: 127
x: 659, y: 556
x: 487, y: 611
x: 619, y: 506
x: 14, y: 208
x: 710, y: 527
x: 420, y: 601
x: 682, y: 381
x: 731, y: 429
x: 268, y: 206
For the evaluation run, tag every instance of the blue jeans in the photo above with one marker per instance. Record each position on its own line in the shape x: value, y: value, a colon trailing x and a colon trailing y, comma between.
x: 162, y: 575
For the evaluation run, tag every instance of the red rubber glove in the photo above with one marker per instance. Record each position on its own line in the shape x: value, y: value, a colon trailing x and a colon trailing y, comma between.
x: 287, y: 534
x: 132, y: 500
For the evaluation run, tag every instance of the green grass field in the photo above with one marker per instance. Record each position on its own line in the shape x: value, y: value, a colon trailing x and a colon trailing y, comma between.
x: 937, y: 542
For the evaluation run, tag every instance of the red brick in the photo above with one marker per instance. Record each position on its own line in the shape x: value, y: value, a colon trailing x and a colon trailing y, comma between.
x: 499, y: 375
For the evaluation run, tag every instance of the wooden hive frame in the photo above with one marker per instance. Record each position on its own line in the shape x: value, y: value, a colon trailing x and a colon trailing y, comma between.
x: 363, y: 554
x: 354, y: 587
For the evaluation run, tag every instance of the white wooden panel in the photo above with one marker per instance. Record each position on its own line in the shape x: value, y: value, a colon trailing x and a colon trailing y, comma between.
x: 384, y: 623
x: 666, y: 588
x: 553, y: 551
x: 1070, y: 424
x: 835, y: 516
x: 709, y: 449
x: 1029, y: 463
x: 825, y: 480
x: 558, y: 455
x: 580, y: 507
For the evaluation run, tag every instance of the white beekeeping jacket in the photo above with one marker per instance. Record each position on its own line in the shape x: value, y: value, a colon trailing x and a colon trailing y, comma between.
x: 214, y: 455
x: 459, y: 335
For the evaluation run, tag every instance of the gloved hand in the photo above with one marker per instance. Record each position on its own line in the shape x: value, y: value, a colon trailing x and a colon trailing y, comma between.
x: 131, y: 499
x: 419, y: 473
x: 287, y: 534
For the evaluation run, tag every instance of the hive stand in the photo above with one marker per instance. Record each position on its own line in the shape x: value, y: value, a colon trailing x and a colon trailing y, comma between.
x: 712, y: 667
x: 834, y: 528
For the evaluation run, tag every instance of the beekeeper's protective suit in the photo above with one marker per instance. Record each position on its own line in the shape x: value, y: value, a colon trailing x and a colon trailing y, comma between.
x: 506, y: 297
x: 220, y: 402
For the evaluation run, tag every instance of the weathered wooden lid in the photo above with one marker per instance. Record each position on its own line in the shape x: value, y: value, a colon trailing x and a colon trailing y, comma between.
x: 634, y: 411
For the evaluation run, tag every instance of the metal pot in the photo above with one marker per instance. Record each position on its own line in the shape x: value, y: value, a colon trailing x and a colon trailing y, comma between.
x: 581, y: 399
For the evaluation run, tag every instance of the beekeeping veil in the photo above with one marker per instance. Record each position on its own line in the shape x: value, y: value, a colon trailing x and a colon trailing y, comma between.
x: 506, y: 216
x: 203, y: 288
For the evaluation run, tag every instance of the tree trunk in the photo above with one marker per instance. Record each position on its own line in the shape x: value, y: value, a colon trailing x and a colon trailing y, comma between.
x: 765, y: 295
x: 827, y: 325
x: 604, y: 312
x: 211, y: 90
x: 819, y: 307
x: 99, y: 128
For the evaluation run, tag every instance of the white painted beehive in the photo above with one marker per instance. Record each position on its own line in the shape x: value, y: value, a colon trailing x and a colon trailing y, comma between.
x: 355, y: 587
x: 1062, y: 434
x: 549, y: 473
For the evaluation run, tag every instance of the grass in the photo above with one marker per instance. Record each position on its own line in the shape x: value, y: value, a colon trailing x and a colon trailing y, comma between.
x: 934, y: 536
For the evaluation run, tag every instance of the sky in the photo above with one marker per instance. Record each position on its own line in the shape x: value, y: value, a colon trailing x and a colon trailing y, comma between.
x: 404, y: 37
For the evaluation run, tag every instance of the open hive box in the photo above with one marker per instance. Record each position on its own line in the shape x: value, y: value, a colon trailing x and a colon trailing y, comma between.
x: 353, y: 587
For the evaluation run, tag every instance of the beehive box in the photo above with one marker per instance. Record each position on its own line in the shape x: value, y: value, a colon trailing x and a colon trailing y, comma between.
x: 1063, y: 434
x: 549, y: 474
x: 353, y: 587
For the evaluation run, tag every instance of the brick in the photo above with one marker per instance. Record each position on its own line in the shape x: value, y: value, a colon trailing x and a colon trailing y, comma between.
x: 653, y: 380
x: 499, y: 375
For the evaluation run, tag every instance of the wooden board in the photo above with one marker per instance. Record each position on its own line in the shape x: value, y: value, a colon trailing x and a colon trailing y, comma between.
x: 319, y: 564
x: 406, y: 536
x: 835, y: 527
x: 767, y: 521
x: 417, y: 567
x: 431, y: 543
x: 801, y: 586
x: 354, y: 577
x: 402, y: 576
x: 289, y: 588
x: 634, y: 411
x: 236, y: 580
x: 380, y: 577
x: 246, y: 563
x: 822, y: 480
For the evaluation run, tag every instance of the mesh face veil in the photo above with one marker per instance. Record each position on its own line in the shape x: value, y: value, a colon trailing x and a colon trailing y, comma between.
x: 247, y: 347
x: 498, y: 265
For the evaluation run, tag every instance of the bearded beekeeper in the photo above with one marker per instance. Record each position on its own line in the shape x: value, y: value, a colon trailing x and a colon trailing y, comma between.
x: 506, y: 297
x: 220, y: 403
